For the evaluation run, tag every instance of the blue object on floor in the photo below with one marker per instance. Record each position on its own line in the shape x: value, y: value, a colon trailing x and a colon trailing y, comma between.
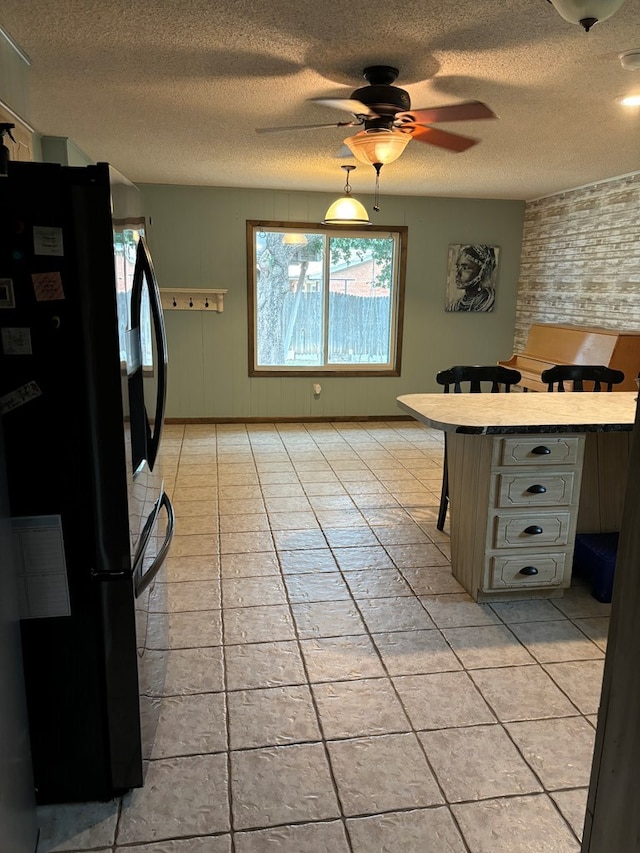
x: 594, y: 556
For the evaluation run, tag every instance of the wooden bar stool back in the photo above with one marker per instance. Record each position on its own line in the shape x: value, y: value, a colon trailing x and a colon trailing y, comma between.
x: 602, y: 377
x: 474, y: 379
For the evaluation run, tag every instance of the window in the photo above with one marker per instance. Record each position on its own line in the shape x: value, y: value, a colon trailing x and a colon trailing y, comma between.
x: 324, y: 300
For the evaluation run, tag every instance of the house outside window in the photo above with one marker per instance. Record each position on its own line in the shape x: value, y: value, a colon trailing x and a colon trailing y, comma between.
x: 325, y: 301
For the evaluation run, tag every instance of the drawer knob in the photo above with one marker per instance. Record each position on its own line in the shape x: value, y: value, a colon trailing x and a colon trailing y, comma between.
x: 537, y: 489
x: 528, y: 570
x: 533, y: 530
x: 541, y: 450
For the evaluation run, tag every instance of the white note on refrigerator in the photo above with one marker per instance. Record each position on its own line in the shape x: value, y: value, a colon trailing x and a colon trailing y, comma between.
x: 43, y: 588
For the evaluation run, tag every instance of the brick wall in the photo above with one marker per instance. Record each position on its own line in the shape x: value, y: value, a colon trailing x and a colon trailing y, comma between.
x: 580, y: 260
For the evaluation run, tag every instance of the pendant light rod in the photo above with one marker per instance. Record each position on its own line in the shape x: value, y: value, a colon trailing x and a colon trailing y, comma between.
x: 348, y: 169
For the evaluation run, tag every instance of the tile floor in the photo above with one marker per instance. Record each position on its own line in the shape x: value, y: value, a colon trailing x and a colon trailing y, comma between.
x: 330, y: 688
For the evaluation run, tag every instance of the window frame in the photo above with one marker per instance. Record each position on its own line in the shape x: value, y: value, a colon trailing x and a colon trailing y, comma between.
x: 399, y: 231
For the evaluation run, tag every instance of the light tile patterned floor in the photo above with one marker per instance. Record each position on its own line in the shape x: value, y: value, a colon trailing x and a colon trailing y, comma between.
x: 330, y: 688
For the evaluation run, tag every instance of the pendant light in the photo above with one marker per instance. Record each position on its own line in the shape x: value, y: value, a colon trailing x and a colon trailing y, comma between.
x: 586, y: 12
x: 346, y: 210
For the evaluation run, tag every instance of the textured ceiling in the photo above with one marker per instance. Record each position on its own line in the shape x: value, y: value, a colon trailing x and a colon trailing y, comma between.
x: 172, y: 92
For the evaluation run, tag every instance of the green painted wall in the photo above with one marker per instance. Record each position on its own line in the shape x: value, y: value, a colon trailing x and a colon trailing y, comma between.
x: 61, y: 149
x: 14, y: 76
x: 197, y: 238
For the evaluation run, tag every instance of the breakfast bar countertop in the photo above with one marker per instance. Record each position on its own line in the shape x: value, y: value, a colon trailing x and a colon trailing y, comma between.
x: 518, y: 413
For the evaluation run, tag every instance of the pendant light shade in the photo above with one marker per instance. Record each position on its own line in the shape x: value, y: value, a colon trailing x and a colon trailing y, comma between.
x: 382, y: 147
x: 586, y: 12
x: 346, y: 210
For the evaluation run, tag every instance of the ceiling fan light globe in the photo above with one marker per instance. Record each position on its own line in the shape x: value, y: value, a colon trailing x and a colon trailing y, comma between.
x: 586, y: 12
x: 346, y: 211
x: 373, y: 148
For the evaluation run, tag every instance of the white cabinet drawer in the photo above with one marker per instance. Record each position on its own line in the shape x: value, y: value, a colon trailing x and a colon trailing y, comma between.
x: 531, y: 530
x: 534, y: 489
x: 539, y: 450
x: 546, y: 569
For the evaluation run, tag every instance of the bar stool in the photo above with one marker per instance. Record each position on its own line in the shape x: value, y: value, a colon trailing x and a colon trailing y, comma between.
x: 474, y: 379
x: 599, y: 374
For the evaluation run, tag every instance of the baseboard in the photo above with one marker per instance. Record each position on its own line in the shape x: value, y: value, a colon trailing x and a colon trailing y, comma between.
x: 328, y: 419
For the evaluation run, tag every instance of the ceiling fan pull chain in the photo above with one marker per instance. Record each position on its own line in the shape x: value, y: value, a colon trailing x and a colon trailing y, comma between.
x: 376, y: 198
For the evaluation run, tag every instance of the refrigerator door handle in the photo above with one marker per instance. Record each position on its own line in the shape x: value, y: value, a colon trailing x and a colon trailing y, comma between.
x: 142, y: 547
x: 142, y: 581
x: 144, y: 271
x: 161, y: 349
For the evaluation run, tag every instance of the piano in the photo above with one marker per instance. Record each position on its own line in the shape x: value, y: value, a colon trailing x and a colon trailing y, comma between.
x: 549, y: 343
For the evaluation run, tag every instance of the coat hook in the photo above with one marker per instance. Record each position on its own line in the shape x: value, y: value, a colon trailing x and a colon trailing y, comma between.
x: 206, y: 302
x: 174, y: 302
x: 190, y: 302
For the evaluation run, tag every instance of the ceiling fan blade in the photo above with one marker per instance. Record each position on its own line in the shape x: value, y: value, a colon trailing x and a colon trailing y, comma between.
x: 347, y: 104
x: 344, y: 151
x: 306, y: 126
x: 452, y: 112
x: 442, y: 138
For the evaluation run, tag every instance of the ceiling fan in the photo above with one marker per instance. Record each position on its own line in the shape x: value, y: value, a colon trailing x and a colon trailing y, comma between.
x: 385, y: 109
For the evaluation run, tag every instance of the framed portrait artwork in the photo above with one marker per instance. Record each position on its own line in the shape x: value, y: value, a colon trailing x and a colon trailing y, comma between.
x: 472, y: 271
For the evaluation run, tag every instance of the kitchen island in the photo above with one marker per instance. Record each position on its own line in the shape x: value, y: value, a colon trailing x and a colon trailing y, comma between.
x: 526, y: 472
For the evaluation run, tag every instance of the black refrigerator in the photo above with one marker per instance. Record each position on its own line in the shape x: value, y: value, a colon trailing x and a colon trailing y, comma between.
x: 83, y: 379
x: 17, y: 802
